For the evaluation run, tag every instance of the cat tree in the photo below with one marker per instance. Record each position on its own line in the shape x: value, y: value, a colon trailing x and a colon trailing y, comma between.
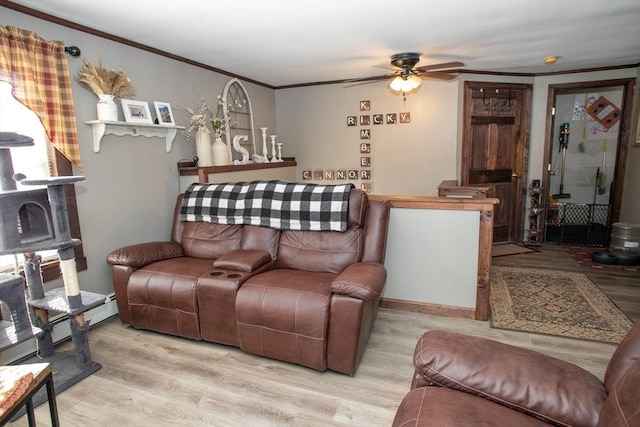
x: 34, y: 220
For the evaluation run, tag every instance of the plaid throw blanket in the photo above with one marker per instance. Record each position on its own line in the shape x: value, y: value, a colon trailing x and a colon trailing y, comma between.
x: 275, y: 204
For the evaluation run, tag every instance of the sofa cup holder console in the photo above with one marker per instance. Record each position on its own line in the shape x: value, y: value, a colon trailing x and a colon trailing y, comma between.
x: 225, y: 274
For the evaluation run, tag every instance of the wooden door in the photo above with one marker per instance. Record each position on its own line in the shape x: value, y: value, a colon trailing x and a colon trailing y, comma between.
x: 495, y: 150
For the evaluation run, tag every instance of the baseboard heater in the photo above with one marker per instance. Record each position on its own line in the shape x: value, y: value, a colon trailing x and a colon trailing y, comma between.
x: 61, y: 331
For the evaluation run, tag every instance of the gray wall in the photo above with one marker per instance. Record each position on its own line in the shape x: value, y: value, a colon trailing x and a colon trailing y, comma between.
x: 131, y: 184
x: 406, y: 158
x: 413, y: 158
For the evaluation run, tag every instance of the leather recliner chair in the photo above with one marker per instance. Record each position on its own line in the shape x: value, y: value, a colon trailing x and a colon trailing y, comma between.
x: 462, y: 380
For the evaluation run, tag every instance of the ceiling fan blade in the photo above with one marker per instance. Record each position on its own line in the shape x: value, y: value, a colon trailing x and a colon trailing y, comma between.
x: 439, y: 75
x: 366, y: 80
x: 438, y: 66
x: 389, y: 67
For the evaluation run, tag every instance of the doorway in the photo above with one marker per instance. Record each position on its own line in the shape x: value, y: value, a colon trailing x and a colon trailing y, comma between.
x: 585, y: 154
x: 495, y: 144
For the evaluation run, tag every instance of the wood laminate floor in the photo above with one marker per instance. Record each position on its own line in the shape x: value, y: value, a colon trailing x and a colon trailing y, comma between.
x: 149, y: 379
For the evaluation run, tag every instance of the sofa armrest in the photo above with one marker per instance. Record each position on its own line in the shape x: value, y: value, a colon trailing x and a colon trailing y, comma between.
x: 539, y: 385
x: 247, y: 260
x: 142, y: 254
x: 363, y: 280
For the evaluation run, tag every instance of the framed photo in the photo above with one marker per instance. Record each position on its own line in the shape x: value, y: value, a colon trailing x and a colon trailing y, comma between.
x: 164, y: 114
x: 136, y: 111
x: 636, y: 141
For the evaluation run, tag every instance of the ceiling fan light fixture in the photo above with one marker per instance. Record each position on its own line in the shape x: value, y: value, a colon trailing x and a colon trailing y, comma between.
x: 405, y: 84
x: 397, y: 84
x: 415, y: 81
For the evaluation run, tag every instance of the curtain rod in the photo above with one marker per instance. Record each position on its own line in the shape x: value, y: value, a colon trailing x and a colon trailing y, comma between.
x: 73, y: 51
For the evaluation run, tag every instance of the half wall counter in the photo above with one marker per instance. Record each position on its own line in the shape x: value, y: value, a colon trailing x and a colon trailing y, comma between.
x: 438, y: 255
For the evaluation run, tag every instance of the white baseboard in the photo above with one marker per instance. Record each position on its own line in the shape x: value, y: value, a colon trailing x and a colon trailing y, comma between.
x: 62, y: 330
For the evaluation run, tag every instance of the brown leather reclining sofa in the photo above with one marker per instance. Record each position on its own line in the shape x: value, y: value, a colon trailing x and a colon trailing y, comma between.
x: 305, y: 297
x: 461, y: 380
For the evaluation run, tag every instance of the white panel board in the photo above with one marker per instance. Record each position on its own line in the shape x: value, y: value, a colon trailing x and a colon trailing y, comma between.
x: 432, y: 256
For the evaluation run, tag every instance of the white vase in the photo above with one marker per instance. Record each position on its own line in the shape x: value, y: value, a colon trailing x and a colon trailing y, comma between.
x: 203, y: 148
x: 221, y: 155
x: 107, y: 108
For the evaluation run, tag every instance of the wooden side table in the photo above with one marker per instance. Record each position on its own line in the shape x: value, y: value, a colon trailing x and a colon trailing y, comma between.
x: 23, y: 396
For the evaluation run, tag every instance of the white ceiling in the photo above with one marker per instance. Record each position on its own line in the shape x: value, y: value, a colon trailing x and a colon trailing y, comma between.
x: 287, y: 42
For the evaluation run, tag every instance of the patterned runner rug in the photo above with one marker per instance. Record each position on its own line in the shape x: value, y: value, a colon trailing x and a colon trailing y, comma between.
x: 554, y: 303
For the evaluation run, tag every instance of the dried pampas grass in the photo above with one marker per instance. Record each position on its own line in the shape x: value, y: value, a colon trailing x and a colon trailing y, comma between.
x: 101, y: 81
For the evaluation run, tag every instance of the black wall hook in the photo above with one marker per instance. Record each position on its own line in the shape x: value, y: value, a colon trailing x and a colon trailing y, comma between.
x: 73, y: 51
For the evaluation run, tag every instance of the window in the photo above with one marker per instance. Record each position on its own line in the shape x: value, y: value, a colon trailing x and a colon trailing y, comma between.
x: 15, y: 117
x: 241, y: 122
x: 37, y: 161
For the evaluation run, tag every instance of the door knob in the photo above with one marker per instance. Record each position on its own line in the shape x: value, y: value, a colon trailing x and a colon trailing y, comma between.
x: 515, y: 175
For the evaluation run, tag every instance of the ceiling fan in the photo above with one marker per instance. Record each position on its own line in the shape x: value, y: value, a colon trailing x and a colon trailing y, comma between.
x: 407, y: 77
x: 405, y: 65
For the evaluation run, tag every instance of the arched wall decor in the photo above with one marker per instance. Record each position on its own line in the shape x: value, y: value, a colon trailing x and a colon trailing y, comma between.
x: 235, y: 96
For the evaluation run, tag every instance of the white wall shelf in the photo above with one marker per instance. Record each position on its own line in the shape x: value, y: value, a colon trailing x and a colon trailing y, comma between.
x: 101, y: 128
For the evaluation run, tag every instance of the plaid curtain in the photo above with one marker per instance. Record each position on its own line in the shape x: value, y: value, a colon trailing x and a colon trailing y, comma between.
x: 37, y: 70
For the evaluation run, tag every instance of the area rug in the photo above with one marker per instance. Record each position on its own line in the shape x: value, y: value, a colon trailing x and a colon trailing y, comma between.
x: 582, y: 256
x: 505, y: 249
x: 558, y: 303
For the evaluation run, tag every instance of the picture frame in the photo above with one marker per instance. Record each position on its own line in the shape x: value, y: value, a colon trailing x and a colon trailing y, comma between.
x: 164, y: 113
x: 636, y: 125
x: 136, y: 111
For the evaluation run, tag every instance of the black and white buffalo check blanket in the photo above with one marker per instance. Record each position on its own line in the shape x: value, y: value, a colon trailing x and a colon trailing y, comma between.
x: 275, y: 204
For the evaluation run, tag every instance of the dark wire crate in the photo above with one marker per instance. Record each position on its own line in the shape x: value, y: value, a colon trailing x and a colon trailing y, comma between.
x: 577, y: 224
